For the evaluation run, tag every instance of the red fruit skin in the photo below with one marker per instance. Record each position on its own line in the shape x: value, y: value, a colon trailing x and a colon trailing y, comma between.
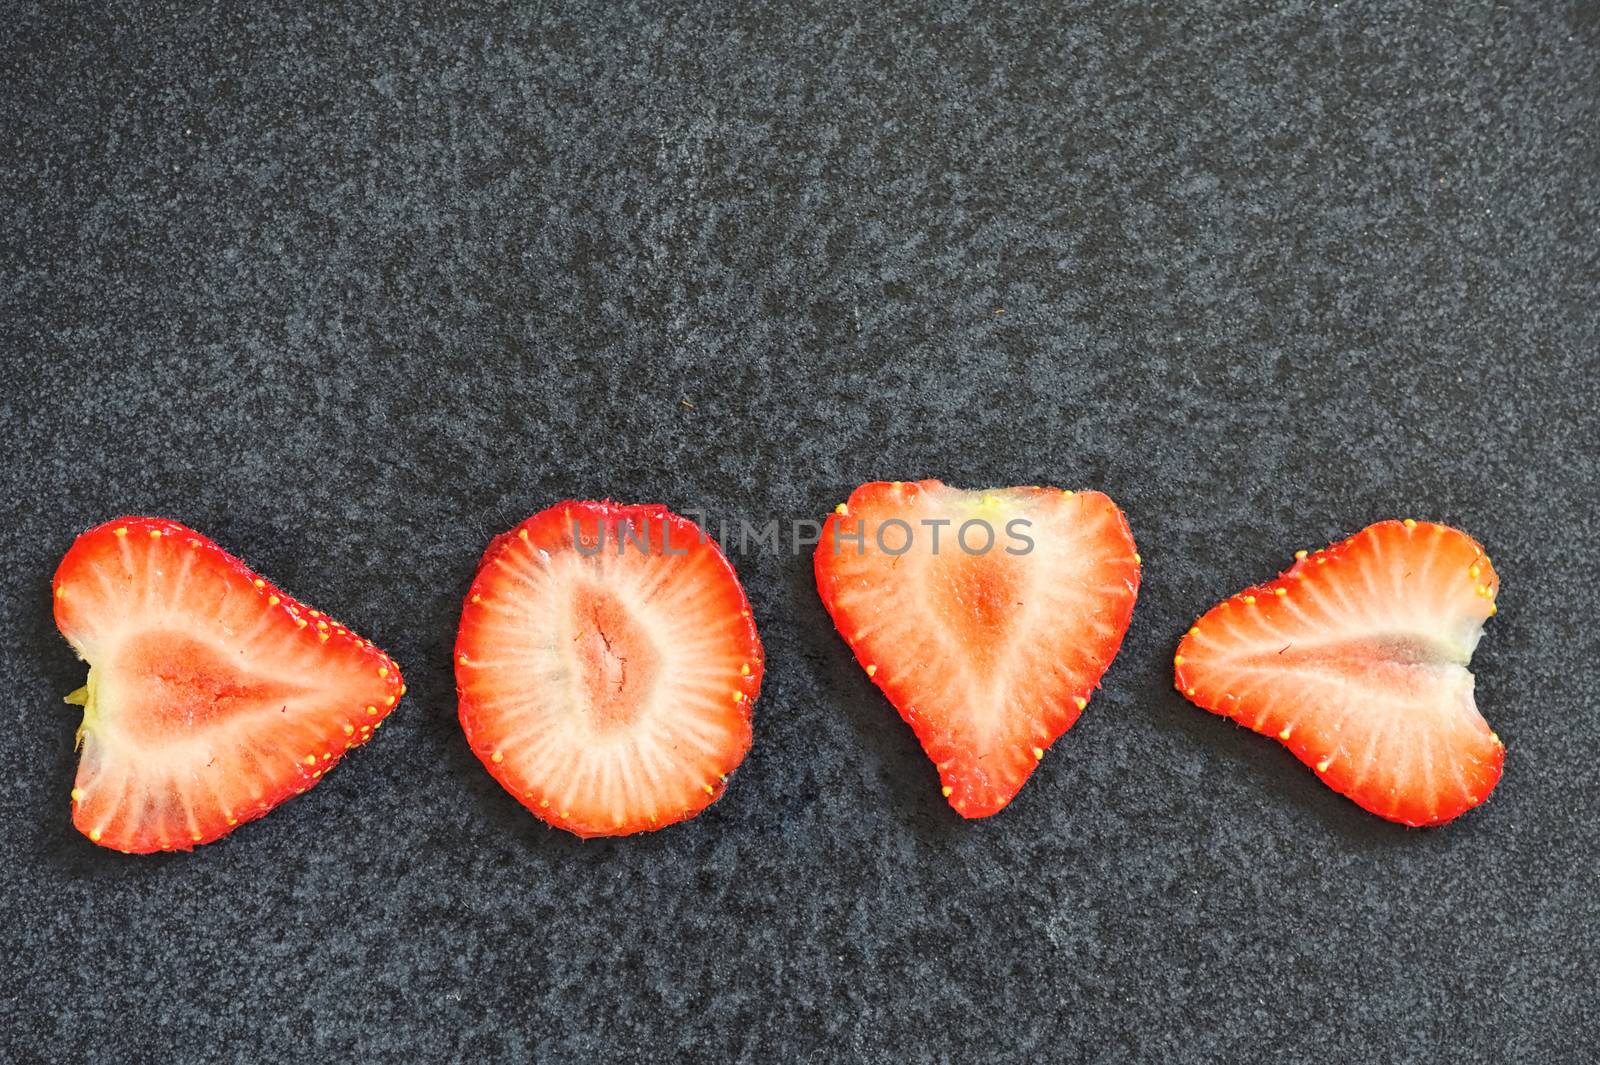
x: 1204, y: 692
x: 967, y: 797
x: 553, y: 529
x: 76, y: 565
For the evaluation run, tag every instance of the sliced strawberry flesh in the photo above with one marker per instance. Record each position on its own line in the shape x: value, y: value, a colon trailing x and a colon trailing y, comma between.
x: 1355, y: 659
x: 988, y: 646
x: 608, y: 690
x: 212, y: 695
x: 168, y: 684
x: 617, y: 664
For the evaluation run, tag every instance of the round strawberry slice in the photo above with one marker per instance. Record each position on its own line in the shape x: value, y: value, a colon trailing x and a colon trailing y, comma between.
x: 1355, y: 658
x: 212, y: 695
x: 606, y: 665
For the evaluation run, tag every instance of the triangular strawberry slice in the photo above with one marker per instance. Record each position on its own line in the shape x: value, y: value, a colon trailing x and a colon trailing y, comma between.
x: 212, y: 695
x: 987, y: 617
x: 606, y: 665
x: 1355, y: 658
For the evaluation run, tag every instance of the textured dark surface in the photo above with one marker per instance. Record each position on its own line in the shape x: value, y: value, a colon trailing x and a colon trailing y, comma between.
x: 351, y: 292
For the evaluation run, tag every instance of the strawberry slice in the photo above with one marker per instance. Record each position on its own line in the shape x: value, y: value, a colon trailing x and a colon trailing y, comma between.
x: 1355, y: 658
x: 212, y: 695
x: 606, y: 665
x: 987, y: 617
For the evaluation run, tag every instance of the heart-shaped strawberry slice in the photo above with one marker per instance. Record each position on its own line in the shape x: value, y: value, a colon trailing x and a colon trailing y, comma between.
x: 212, y: 695
x: 987, y: 617
x: 1355, y: 658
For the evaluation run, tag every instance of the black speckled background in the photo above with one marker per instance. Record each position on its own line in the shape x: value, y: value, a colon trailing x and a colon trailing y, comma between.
x: 351, y: 291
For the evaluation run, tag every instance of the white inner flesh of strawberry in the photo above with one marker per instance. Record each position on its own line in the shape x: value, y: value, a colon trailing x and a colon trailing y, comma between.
x: 609, y: 679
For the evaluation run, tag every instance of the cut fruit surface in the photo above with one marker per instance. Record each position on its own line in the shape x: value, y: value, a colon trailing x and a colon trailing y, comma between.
x: 212, y: 695
x: 606, y: 665
x: 1355, y: 658
x: 987, y: 617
